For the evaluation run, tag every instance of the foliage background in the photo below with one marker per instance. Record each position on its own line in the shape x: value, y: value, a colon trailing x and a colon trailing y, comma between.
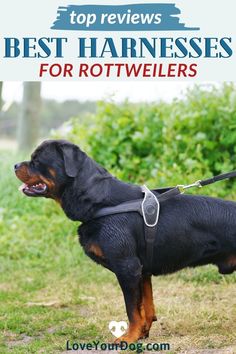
x: 165, y: 143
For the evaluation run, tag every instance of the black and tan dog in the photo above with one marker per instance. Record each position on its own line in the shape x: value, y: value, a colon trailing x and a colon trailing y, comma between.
x: 192, y: 230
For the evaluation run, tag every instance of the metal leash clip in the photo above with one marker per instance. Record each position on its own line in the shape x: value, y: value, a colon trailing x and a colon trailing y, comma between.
x: 182, y: 187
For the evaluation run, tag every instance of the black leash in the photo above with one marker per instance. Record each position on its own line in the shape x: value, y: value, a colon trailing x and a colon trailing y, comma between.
x: 149, y: 208
x: 220, y: 177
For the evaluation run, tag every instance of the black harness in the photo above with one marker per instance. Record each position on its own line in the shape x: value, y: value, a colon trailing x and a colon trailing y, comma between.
x: 149, y: 209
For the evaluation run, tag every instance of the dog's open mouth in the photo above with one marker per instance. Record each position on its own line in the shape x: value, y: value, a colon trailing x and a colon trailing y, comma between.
x: 35, y: 190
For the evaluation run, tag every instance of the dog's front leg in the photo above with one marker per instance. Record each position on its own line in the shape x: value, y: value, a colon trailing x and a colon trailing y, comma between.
x: 148, y: 304
x: 129, y: 275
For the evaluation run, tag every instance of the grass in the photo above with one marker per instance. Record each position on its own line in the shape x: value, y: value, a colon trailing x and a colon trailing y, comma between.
x: 50, y: 292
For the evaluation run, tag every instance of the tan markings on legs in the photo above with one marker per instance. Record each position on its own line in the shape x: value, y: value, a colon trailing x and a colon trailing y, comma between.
x: 231, y: 261
x: 95, y: 249
x: 137, y: 326
x: 148, y: 303
x: 228, y: 265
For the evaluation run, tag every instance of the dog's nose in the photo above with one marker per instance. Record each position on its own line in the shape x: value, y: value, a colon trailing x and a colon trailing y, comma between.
x: 17, y: 166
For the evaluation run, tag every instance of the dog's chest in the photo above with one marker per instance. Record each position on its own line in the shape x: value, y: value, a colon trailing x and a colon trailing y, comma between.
x: 92, y: 247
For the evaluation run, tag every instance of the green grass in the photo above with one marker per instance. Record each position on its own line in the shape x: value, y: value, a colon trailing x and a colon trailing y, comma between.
x: 51, y: 292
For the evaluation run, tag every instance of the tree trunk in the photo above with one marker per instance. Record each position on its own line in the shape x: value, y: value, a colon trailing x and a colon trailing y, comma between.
x: 1, y: 100
x: 29, y: 123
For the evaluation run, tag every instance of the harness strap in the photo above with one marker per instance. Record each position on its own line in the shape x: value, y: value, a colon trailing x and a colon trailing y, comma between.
x: 126, y: 207
x: 150, y: 212
x: 150, y: 234
x: 171, y: 193
x: 136, y: 205
x: 148, y: 208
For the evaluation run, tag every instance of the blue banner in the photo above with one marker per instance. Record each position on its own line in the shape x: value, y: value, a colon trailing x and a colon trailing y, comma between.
x: 133, y: 17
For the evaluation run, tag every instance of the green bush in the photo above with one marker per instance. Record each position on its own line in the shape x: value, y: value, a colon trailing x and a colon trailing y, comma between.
x: 165, y: 143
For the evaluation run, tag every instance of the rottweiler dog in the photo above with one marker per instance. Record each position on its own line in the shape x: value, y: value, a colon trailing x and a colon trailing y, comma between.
x: 192, y: 230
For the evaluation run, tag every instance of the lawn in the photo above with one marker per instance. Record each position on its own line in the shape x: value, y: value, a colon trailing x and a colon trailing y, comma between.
x: 51, y: 292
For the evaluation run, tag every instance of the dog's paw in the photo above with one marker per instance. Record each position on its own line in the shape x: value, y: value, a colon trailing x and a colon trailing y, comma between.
x: 144, y: 335
x: 128, y: 338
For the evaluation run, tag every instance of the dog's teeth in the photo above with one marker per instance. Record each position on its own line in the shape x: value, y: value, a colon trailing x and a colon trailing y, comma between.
x: 23, y: 186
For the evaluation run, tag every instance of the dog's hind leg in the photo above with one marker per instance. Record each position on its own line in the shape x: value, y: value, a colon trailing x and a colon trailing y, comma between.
x: 129, y: 275
x: 228, y: 265
x: 148, y: 304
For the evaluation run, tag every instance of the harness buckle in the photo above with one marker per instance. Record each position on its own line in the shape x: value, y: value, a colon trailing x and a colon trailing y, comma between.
x: 150, y: 207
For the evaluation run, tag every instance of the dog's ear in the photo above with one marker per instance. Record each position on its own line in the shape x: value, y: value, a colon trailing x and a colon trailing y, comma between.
x: 71, y: 155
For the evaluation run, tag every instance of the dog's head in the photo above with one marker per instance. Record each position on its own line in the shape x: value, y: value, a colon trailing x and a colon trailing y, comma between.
x: 52, y: 166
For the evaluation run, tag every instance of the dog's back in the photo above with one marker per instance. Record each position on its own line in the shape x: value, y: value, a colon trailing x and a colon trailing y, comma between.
x: 196, y: 230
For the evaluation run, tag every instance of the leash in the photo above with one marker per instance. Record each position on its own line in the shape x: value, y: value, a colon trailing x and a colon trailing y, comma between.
x: 206, y: 182
x: 149, y: 209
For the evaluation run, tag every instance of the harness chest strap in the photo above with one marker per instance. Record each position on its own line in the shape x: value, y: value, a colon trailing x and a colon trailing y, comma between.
x: 150, y: 212
x: 149, y: 209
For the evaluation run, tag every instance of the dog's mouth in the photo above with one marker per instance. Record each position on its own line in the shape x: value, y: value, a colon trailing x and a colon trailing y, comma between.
x: 35, y: 190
